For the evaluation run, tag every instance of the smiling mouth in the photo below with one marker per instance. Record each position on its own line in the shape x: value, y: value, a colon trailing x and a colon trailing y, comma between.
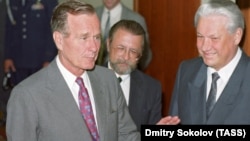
x: 209, y: 54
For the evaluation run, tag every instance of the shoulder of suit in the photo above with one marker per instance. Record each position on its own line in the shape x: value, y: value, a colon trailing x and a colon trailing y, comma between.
x: 131, y: 12
x: 144, y: 76
x: 99, y: 9
x: 196, y: 60
x: 102, y: 69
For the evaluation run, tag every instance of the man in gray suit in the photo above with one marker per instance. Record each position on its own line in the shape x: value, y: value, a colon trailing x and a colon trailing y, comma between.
x: 45, y: 106
x: 143, y: 93
x: 219, y: 26
x: 119, y: 11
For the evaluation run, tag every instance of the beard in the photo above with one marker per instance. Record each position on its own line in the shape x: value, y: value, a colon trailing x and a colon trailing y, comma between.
x: 122, y: 66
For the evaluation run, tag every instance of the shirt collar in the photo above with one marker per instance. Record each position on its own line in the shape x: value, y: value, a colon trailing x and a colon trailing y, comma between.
x: 227, y: 70
x: 67, y: 75
x: 117, y: 9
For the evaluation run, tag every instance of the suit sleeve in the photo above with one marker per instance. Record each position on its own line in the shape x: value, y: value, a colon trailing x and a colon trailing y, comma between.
x: 156, y: 111
x: 22, y: 117
x: 173, y: 110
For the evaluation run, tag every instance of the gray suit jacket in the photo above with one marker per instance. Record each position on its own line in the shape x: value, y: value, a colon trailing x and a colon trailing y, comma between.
x: 43, y: 108
x: 189, y: 95
x: 145, y: 100
x: 128, y: 14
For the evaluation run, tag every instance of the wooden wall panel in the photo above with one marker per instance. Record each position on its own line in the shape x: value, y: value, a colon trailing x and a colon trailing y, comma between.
x: 172, y: 38
x: 245, y: 8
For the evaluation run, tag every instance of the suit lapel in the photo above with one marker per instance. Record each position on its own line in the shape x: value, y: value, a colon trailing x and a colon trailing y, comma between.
x: 99, y: 12
x: 135, y: 91
x: 100, y: 102
x: 197, y: 95
x: 63, y: 100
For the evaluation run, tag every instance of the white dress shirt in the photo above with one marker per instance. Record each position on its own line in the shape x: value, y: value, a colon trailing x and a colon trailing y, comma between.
x: 224, y: 73
x: 115, y: 16
x: 74, y: 87
x: 125, y: 84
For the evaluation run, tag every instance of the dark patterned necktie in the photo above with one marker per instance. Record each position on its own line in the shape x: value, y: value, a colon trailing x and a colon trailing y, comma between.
x: 212, y: 94
x: 86, y: 109
x: 119, y: 79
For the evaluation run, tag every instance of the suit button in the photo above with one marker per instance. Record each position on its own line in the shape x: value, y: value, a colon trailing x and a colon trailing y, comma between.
x: 24, y: 22
x: 24, y: 36
x: 24, y: 15
x: 24, y: 29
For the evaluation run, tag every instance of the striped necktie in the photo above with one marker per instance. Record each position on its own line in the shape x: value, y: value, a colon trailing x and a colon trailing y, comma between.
x: 212, y: 94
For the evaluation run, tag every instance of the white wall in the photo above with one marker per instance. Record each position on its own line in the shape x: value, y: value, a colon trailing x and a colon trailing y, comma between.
x: 95, y: 3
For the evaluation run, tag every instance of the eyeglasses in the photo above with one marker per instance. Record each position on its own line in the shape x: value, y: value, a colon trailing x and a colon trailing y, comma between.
x: 132, y: 52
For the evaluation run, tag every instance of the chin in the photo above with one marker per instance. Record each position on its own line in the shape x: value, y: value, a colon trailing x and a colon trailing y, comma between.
x: 90, y: 66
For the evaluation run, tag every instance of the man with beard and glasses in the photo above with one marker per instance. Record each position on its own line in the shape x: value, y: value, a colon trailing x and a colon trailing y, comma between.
x: 143, y: 93
x: 112, y: 11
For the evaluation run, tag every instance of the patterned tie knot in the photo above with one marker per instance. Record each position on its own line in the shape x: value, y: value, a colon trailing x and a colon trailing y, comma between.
x: 215, y: 77
x: 79, y: 81
x: 119, y: 79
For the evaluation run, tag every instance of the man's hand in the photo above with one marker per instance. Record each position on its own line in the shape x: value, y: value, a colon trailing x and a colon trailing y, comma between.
x: 169, y: 120
x: 9, y: 66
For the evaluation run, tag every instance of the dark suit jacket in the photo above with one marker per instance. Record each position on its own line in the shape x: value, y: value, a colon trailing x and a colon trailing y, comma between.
x: 189, y: 95
x: 145, y: 100
x: 42, y: 108
x: 131, y: 15
x: 29, y: 42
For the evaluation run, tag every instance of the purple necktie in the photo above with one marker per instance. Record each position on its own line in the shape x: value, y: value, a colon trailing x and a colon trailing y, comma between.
x: 86, y: 109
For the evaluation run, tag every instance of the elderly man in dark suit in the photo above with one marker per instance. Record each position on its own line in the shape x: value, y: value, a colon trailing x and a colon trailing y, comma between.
x: 219, y: 26
x: 28, y: 42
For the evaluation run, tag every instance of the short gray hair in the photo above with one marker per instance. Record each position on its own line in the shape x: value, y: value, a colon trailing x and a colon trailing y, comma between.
x: 225, y: 8
x: 59, y: 17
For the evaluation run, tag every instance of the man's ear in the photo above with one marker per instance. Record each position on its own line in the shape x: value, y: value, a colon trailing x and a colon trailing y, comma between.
x: 238, y: 36
x: 58, y: 38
